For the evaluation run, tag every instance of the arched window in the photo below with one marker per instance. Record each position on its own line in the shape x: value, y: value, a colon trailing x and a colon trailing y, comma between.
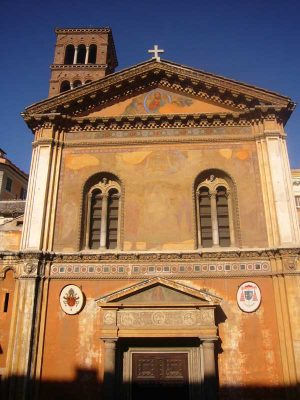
x: 81, y: 54
x: 69, y: 54
x: 103, y: 214
x: 65, y: 85
x: 214, y: 206
x: 92, y: 54
x: 77, y: 83
x: 88, y: 81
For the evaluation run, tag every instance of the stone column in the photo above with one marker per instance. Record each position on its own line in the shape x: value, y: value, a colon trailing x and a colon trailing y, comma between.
x: 87, y: 55
x: 75, y: 55
x: 109, y: 368
x: 103, y: 231
x: 214, y: 219
x: 210, y: 379
x: 230, y: 217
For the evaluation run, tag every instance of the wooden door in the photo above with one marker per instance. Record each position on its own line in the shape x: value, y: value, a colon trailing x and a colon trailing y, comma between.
x: 160, y: 376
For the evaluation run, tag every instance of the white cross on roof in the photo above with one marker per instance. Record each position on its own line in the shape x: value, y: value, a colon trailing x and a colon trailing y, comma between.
x: 156, y: 52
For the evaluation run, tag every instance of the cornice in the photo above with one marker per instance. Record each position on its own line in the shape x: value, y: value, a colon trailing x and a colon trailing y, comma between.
x: 109, y: 256
x: 226, y: 263
x: 83, y: 30
x: 77, y: 66
x: 87, y: 123
x: 150, y: 74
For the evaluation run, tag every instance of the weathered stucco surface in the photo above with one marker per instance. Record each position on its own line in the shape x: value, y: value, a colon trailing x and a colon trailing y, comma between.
x: 158, y: 184
x: 248, y: 352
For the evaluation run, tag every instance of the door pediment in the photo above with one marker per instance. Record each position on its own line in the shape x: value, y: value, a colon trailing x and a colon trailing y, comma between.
x: 158, y: 307
x: 158, y: 291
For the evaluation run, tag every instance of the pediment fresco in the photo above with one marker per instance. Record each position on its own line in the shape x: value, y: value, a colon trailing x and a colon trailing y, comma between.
x: 159, y: 101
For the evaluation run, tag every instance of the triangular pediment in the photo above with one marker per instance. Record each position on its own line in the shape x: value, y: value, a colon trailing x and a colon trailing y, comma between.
x: 159, y: 291
x: 182, y: 90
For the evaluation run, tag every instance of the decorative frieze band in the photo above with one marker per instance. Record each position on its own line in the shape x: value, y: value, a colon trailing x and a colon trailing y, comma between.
x: 116, y: 270
x: 105, y: 132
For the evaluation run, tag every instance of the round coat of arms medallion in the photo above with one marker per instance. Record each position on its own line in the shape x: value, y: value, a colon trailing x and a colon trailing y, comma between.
x: 71, y: 299
x: 248, y: 297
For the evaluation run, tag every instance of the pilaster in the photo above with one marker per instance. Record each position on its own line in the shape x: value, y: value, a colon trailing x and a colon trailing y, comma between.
x: 21, y: 368
x: 276, y: 185
x: 109, y: 367
x: 43, y: 183
x: 284, y: 331
x: 210, y: 378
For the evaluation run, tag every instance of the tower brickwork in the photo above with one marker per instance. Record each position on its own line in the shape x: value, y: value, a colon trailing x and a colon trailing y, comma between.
x: 81, y: 56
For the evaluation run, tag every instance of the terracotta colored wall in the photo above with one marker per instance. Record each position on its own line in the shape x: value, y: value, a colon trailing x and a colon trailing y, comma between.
x: 7, y: 286
x: 293, y: 297
x: 158, y: 200
x: 72, y: 348
x: 248, y: 353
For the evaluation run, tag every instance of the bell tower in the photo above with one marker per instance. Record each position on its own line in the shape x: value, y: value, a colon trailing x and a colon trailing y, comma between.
x: 81, y: 55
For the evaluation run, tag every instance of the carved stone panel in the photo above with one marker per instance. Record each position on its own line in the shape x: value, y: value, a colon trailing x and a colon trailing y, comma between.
x: 154, y: 318
x: 109, y: 318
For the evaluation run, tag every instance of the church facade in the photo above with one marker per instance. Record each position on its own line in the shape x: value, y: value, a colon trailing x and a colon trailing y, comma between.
x: 160, y: 247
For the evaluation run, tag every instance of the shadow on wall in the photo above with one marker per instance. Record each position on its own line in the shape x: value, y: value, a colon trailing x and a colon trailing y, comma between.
x: 86, y: 386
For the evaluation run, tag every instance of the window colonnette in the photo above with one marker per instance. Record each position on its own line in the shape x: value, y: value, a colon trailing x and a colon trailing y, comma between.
x: 80, y: 54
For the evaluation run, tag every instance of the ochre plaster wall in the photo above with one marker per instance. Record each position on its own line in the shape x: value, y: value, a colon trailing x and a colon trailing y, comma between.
x: 7, y: 287
x: 248, y: 352
x: 293, y: 297
x: 10, y: 240
x: 159, y: 210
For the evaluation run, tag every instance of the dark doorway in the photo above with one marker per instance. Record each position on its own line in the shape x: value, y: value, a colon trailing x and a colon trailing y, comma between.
x: 160, y: 376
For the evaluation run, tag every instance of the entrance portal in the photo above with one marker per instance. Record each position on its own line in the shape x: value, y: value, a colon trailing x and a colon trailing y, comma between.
x: 159, y: 341
x: 160, y: 375
x: 151, y: 370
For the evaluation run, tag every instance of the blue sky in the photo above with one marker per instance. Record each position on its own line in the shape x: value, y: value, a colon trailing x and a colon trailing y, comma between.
x: 257, y: 42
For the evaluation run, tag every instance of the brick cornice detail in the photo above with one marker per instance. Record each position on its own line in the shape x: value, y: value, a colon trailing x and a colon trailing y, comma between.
x: 78, y: 123
x: 151, y: 74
